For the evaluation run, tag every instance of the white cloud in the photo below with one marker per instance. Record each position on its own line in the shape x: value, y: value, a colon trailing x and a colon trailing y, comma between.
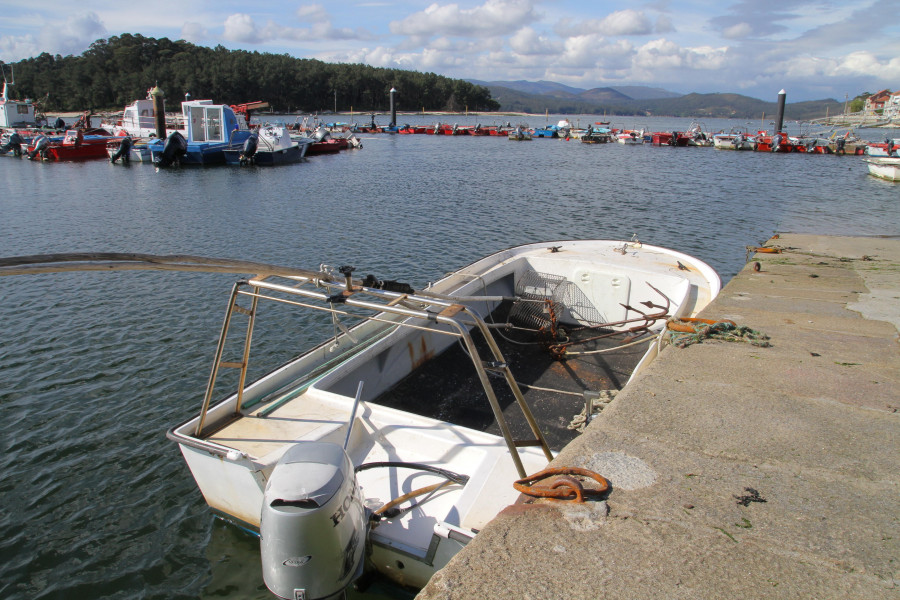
x: 240, y: 27
x: 494, y: 17
x: 738, y: 31
x: 626, y: 22
x: 194, y: 32
x: 312, y: 13
x: 659, y: 54
x: 530, y: 42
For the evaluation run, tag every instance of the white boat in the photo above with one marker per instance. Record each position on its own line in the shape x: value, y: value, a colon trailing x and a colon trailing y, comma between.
x: 885, y: 168
x: 139, y: 121
x: 127, y: 149
x: 630, y: 137
x: 270, y: 144
x: 520, y: 134
x: 323, y: 456
x: 735, y: 140
x: 698, y: 137
x: 15, y: 113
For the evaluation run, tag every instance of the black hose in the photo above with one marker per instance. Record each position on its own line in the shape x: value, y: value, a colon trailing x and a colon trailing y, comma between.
x: 450, y: 475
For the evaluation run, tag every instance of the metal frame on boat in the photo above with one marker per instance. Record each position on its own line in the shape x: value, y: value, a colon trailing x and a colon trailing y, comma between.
x: 460, y: 477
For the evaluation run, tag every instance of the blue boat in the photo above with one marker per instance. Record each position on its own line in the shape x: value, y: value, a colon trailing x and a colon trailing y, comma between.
x: 551, y: 131
x: 211, y: 130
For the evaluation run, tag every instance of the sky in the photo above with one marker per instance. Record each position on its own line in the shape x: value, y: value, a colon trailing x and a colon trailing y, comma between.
x: 813, y: 49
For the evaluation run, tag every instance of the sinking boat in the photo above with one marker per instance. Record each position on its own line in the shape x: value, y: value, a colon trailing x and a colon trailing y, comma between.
x: 369, y: 452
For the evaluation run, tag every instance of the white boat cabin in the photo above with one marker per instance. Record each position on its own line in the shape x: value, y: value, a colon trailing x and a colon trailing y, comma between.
x: 208, y: 122
x: 15, y: 113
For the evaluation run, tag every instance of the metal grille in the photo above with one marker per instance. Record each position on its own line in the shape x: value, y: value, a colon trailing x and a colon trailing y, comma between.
x: 543, y: 298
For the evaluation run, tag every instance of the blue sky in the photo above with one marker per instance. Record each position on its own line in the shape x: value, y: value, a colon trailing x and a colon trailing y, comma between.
x: 813, y: 49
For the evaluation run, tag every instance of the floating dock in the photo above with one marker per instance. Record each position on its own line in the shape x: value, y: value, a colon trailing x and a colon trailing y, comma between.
x: 738, y: 471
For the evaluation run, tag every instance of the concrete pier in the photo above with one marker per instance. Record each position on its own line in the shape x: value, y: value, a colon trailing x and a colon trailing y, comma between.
x: 738, y: 471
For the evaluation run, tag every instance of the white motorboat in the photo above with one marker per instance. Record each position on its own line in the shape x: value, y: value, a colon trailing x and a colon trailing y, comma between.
x: 885, y: 168
x: 337, y: 470
x: 270, y: 144
x: 735, y: 140
x: 630, y: 137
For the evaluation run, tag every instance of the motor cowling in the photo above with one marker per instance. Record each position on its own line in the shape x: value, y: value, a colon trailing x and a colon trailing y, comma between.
x: 175, y: 147
x: 249, y: 149
x: 313, y: 523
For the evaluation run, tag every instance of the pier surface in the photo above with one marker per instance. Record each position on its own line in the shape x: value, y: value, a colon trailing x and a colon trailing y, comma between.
x: 738, y: 471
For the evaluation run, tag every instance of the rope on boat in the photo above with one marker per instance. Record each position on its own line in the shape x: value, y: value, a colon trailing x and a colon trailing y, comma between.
x: 684, y: 333
x: 580, y: 421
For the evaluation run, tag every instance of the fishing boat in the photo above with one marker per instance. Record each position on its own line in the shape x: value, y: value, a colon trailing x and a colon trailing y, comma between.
x: 595, y: 135
x: 630, y: 137
x: 270, y: 144
x: 386, y: 447
x: 77, y: 144
x: 736, y: 139
x: 211, y: 129
x: 520, y: 134
x: 15, y: 113
x: 889, y: 147
x: 885, y: 168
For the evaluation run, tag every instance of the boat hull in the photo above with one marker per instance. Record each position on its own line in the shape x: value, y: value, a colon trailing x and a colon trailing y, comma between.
x: 885, y: 168
x: 312, y: 397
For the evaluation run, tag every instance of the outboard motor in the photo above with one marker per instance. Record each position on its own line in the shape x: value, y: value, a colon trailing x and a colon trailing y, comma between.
x: 124, y: 151
x: 41, y: 144
x: 249, y: 150
x: 59, y: 123
x: 174, y: 149
x: 14, y: 143
x: 313, y: 523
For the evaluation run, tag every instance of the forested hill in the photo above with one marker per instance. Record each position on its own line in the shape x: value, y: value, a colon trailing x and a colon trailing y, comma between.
x: 115, y: 72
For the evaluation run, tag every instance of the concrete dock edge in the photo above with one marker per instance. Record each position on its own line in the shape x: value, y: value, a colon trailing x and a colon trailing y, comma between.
x: 737, y: 470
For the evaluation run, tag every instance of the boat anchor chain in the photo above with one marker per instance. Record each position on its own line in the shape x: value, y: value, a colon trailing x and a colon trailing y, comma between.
x: 565, y: 486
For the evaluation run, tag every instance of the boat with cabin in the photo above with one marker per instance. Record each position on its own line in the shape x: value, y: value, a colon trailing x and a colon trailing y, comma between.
x: 211, y: 129
x: 15, y: 113
x: 386, y: 447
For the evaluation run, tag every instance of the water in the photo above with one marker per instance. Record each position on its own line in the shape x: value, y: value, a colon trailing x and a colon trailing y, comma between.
x: 95, y: 367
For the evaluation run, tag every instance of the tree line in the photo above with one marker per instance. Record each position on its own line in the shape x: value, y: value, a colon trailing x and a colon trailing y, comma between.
x: 115, y: 72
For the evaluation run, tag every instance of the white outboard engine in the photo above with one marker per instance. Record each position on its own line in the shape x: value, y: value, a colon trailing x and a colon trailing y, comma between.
x: 313, y: 523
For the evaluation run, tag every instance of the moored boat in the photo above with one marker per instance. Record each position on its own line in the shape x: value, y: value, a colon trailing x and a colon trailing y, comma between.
x: 337, y: 469
x: 77, y: 144
x: 885, y: 168
x: 520, y: 134
x: 15, y: 113
x: 211, y: 129
x: 270, y: 144
x: 734, y: 140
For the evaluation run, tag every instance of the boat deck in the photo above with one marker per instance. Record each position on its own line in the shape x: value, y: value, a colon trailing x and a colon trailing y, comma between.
x: 447, y: 388
x: 459, y: 398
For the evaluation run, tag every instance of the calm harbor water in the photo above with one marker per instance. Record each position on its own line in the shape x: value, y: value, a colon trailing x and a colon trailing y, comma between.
x: 95, y: 367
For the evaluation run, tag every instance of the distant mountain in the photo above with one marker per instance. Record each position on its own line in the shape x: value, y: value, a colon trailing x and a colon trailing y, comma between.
x: 604, y: 94
x: 543, y: 96
x: 640, y: 92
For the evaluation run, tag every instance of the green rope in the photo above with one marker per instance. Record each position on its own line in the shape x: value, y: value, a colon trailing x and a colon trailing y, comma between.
x: 723, y: 330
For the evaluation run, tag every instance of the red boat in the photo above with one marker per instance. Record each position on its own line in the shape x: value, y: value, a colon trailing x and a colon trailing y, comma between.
x: 779, y: 142
x: 327, y: 147
x: 78, y: 144
x: 665, y: 138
